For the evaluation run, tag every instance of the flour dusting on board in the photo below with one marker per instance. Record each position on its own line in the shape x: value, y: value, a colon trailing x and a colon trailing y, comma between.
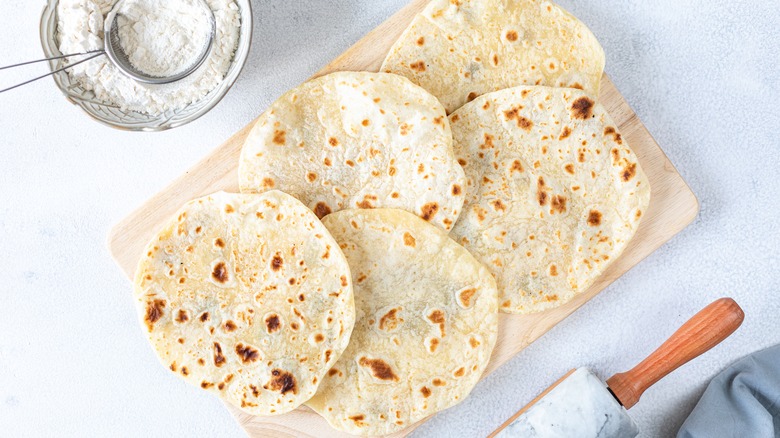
x: 80, y: 29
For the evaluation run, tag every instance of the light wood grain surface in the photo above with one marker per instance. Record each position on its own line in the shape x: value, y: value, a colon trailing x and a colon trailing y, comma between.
x: 672, y: 208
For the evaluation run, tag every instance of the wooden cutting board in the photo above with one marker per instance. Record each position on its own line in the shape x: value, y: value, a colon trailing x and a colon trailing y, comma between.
x: 672, y: 208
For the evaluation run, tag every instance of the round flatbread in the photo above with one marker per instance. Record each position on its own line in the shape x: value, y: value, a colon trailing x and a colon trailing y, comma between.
x: 459, y: 50
x: 247, y: 297
x: 554, y: 192
x: 426, y: 324
x: 357, y: 140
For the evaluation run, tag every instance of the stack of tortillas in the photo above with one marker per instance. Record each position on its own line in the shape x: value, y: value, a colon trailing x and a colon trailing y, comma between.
x: 386, y: 218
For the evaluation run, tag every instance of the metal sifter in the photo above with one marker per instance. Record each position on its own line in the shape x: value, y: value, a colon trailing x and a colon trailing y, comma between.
x: 113, y: 49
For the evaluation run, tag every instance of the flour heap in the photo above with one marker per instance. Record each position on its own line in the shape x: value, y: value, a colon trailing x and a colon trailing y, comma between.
x: 161, y: 38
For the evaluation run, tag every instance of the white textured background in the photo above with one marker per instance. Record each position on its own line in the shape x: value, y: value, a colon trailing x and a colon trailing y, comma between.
x: 703, y: 75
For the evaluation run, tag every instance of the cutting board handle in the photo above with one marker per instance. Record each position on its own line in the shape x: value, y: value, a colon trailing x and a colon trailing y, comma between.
x: 705, y: 330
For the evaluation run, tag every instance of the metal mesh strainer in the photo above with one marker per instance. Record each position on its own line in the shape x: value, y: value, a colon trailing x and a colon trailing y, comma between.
x: 113, y: 49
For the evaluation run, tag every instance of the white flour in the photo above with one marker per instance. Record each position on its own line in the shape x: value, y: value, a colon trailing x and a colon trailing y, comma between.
x: 80, y: 29
x: 163, y: 38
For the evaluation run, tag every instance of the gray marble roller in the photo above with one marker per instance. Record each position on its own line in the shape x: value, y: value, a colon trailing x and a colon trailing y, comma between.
x: 580, y: 405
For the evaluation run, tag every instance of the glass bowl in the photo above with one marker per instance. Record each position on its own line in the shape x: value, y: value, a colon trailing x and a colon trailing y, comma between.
x: 114, y: 116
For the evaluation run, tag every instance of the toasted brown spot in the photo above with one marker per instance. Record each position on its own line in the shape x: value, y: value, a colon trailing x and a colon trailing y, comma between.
x: 272, y: 323
x: 456, y: 190
x: 462, y: 162
x: 582, y: 108
x: 219, y: 358
x: 429, y: 211
x: 182, y: 316
x: 522, y: 122
x: 516, y: 166
x: 488, y: 143
x: 319, y: 337
x: 333, y: 372
x: 471, y: 97
x: 154, y: 311
x: 173, y: 366
x: 565, y: 133
x: 594, y: 218
x: 311, y: 176
x: 541, y: 192
x: 229, y: 209
x: 379, y: 368
x: 553, y: 271
x: 333, y: 141
x: 230, y: 326
x: 255, y: 390
x: 277, y: 262
x: 206, y: 385
x: 395, y: 195
x: 511, y: 36
x: 219, y: 242
x: 390, y: 320
x: 366, y: 122
x: 327, y: 161
x: 246, y: 353
x: 638, y: 214
x: 291, y: 281
x: 569, y: 168
x: 425, y: 391
x: 558, y: 204
x: 280, y: 137
x: 437, y: 317
x: 282, y: 382
x: 438, y: 120
x: 350, y: 163
x: 391, y: 171
x: 466, y: 296
x: 358, y: 419
x: 409, y: 240
x: 420, y: 41
x: 434, y: 344
x: 439, y: 382
x: 344, y: 281
x: 486, y: 106
x: 498, y: 205
x: 459, y: 372
x: 474, y: 343
x: 321, y: 210
x: 294, y: 325
x: 204, y: 317
x: 628, y: 172
x: 418, y: 66
x: 268, y: 183
x: 185, y: 371
x: 220, y: 273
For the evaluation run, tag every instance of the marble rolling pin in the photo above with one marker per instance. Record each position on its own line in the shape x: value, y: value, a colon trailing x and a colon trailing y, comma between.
x: 581, y: 405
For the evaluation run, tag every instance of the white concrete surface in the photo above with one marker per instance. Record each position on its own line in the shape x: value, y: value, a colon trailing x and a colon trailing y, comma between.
x: 703, y: 75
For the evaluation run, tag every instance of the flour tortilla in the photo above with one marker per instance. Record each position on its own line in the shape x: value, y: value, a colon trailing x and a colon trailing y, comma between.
x: 426, y: 324
x: 459, y: 50
x: 357, y: 140
x: 554, y: 193
x: 247, y: 297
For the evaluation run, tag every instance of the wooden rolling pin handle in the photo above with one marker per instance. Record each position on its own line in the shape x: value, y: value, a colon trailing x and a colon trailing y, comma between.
x: 705, y: 330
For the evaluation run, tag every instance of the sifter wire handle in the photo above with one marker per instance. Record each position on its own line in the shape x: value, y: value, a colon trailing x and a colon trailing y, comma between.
x: 94, y: 54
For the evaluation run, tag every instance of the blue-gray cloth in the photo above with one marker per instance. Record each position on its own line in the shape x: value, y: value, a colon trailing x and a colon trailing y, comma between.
x: 742, y: 401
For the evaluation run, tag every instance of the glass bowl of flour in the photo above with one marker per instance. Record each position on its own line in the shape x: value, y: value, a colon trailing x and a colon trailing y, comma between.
x: 110, y: 97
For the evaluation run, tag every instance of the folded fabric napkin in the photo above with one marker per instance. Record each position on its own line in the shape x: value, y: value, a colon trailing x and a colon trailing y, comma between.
x: 742, y: 401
